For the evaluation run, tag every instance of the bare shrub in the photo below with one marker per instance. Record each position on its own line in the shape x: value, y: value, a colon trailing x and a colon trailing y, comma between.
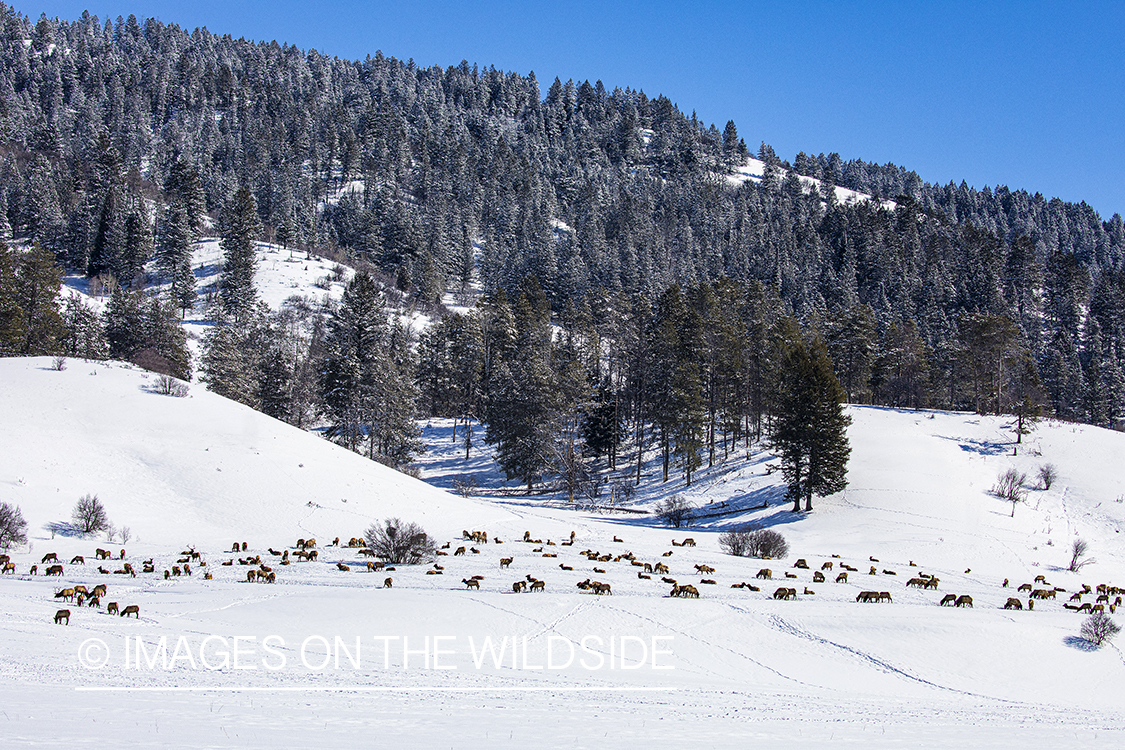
x: 1078, y: 559
x: 13, y: 529
x: 166, y: 385
x: 766, y: 543
x: 89, y: 515
x: 1099, y: 628
x: 675, y: 511
x: 1010, y: 487
x: 58, y: 363
x: 465, y: 485
x: 736, y: 542
x: 1047, y: 475
x: 399, y: 543
x: 125, y: 534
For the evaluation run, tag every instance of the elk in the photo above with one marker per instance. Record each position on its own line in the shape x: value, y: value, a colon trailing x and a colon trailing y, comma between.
x: 67, y: 594
x: 642, y: 576
x: 818, y: 577
x: 49, y: 557
x: 660, y: 568
x: 600, y: 570
x: 102, y: 554
x: 619, y: 540
x: 764, y: 573
x: 808, y: 591
x: 689, y: 542
x: 705, y: 569
x: 599, y: 588
x: 519, y: 586
x: 78, y: 560
x: 54, y: 570
x: 565, y: 567
x: 342, y: 566
x: 842, y: 578
x: 459, y: 551
x: 785, y: 594
x: 9, y: 567
x: 708, y: 581
x: 61, y: 615
x: 537, y: 585
x: 111, y: 608
x: 132, y: 609
x: 506, y: 561
x: 826, y: 566
x: 964, y: 601
x: 471, y: 583
x: 387, y: 582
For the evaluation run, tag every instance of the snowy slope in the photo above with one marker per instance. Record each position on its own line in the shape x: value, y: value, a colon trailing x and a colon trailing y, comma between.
x: 733, y: 668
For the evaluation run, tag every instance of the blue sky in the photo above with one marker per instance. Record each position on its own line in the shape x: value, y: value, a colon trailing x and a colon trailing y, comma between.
x: 1025, y: 94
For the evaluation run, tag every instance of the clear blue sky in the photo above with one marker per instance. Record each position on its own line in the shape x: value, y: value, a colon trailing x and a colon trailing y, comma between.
x: 1025, y: 94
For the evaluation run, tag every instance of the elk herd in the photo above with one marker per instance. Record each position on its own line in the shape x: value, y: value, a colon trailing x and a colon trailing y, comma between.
x: 1103, y: 597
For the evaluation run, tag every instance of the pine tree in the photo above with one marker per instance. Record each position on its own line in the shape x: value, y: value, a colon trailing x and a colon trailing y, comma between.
x: 38, y: 281
x: 810, y: 427
x: 240, y: 230
x: 13, y: 324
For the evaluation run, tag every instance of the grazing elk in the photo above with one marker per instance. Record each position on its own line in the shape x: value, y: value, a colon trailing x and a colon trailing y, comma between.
x: 537, y: 585
x: 704, y: 569
x: 785, y: 594
x: 818, y: 577
x: 132, y: 609
x: 111, y: 608
x: 49, y: 557
x: 54, y: 570
x: 842, y: 577
x: 964, y: 601
x: 519, y: 586
x: 387, y: 582
x: 471, y: 583
x: 765, y: 573
x: 61, y: 615
x: 78, y: 560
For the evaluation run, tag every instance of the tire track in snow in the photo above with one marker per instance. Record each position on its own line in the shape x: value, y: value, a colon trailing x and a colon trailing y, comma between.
x: 783, y: 625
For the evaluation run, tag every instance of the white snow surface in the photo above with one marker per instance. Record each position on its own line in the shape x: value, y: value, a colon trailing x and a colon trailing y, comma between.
x: 734, y: 668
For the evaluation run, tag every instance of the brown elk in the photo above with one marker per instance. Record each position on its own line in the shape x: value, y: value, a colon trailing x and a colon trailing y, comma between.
x: 99, y: 590
x: 471, y: 583
x: 103, y: 554
x: 459, y: 551
x: 826, y: 566
x: 643, y: 577
x: 132, y: 609
x: 342, y: 566
x: 689, y: 542
x: 785, y: 594
x: 78, y: 560
x: 66, y: 594
x: 9, y: 567
x: 666, y: 554
x: 519, y: 586
x: 33, y: 571
x: 705, y: 569
x: 842, y: 578
x: 708, y: 581
x: 111, y: 608
x: 765, y: 573
x: 387, y: 582
x: 599, y: 588
x: 948, y: 599
x: 660, y: 568
x: 61, y: 615
x: 1024, y: 587
x: 818, y: 577
x: 600, y: 570
x: 506, y: 561
x: 54, y: 570
x: 808, y: 591
x: 49, y: 557
x: 538, y: 585
x: 964, y: 601
x: 801, y: 563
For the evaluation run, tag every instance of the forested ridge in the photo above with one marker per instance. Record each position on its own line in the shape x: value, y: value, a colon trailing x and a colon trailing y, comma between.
x: 614, y: 215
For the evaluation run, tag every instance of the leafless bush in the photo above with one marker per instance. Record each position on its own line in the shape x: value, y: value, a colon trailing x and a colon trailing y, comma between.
x: 125, y: 534
x: 465, y: 485
x: 675, y: 511
x: 89, y: 515
x: 1010, y: 487
x: 766, y: 543
x: 1099, y: 628
x: 1078, y: 559
x: 13, y: 529
x: 399, y: 543
x: 58, y: 363
x: 166, y: 385
x: 736, y: 542
x: 1047, y: 475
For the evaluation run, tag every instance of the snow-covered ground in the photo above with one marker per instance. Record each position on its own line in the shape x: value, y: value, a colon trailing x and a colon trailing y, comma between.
x: 332, y: 658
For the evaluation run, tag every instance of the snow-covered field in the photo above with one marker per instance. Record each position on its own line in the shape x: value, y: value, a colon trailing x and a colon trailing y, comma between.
x: 329, y: 658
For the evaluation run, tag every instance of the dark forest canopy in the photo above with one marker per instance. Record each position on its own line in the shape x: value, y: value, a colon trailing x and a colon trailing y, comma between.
x: 464, y: 173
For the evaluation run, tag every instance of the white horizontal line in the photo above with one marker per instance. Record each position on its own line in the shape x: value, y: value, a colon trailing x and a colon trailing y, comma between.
x: 369, y: 689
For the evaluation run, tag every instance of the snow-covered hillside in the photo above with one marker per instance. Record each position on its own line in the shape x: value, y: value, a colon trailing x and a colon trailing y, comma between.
x: 328, y: 658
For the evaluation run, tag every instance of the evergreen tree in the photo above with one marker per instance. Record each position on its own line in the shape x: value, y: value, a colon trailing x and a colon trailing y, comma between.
x: 38, y: 281
x: 810, y: 427
x: 240, y: 230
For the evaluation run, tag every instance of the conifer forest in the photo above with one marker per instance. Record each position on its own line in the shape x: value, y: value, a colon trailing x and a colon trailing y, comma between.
x: 599, y: 277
